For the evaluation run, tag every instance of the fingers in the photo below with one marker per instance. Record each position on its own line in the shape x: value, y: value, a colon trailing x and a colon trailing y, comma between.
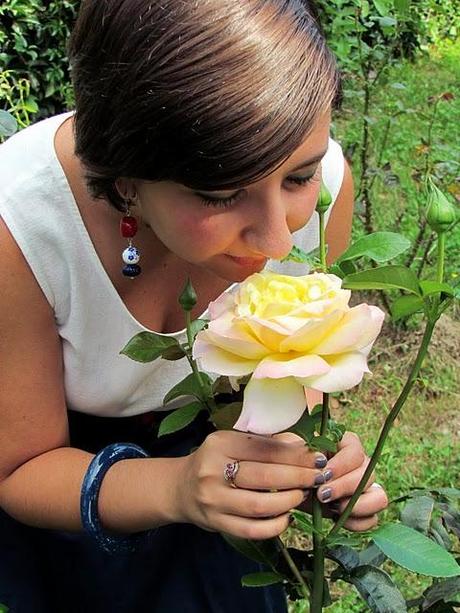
x: 254, y: 529
x: 344, y: 486
x: 273, y: 450
x: 350, y: 455
x: 259, y: 476
x: 370, y: 502
x: 246, y: 503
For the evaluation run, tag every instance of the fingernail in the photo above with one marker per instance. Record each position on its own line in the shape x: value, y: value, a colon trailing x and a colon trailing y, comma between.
x: 306, y: 494
x: 319, y: 479
x: 320, y: 461
x: 327, y: 474
x: 326, y: 494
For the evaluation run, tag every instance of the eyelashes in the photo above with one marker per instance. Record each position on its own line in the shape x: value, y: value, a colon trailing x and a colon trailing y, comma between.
x: 228, y: 202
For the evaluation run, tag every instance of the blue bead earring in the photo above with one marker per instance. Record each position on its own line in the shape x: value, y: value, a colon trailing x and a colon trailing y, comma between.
x: 130, y: 256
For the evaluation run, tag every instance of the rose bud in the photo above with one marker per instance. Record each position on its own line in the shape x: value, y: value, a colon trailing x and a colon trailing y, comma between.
x: 188, y: 297
x: 324, y: 199
x: 441, y: 213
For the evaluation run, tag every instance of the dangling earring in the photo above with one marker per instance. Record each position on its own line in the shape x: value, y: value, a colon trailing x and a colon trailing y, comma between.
x: 130, y: 256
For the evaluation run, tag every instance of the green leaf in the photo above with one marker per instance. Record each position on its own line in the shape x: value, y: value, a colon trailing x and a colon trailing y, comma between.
x: 322, y: 443
x: 197, y: 325
x: 225, y: 417
x: 440, y: 534
x: 303, y: 521
x: 3, y: 608
x: 261, y: 579
x: 402, y: 6
x: 263, y: 551
x: 384, y: 277
x: 372, y: 556
x: 297, y: 255
x: 417, y: 513
x: 442, y: 591
x: 387, y: 22
x: 8, y: 124
x: 179, y: 418
x: 378, y: 246
x: 434, y: 287
x: 148, y: 346
x: 305, y: 427
x: 414, y: 551
x: 405, y: 306
x: 382, y: 6
x: 173, y: 353
x: 377, y: 589
x: 190, y: 387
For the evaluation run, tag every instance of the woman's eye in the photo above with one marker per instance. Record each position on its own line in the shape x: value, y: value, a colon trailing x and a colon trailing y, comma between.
x: 304, y: 180
x: 218, y: 202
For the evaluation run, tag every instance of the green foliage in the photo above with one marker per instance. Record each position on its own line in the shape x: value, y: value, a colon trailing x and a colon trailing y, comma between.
x: 180, y: 418
x: 414, y: 551
x: 33, y: 42
x: 148, y: 346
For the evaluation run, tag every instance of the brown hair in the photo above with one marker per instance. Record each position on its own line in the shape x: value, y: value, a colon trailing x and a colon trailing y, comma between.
x: 210, y: 94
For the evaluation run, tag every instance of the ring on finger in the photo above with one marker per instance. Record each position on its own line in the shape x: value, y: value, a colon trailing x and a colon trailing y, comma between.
x: 230, y: 470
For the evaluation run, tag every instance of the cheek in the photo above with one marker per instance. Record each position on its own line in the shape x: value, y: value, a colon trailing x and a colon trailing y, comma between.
x: 202, y: 229
x: 302, y: 209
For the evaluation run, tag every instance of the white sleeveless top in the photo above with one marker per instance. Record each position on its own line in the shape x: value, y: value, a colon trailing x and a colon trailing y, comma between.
x: 94, y: 324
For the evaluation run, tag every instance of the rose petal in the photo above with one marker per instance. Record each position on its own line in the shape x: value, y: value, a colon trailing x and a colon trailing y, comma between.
x: 346, y: 371
x: 309, y: 335
x: 281, y: 365
x: 228, y: 335
x: 270, y: 406
x: 359, y: 327
x: 221, y: 362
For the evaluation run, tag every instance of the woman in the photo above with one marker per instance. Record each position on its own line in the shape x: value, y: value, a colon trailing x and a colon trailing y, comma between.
x: 207, y: 122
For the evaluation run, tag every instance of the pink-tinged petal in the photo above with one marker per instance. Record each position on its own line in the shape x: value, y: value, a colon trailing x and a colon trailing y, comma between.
x: 268, y: 333
x: 270, y: 406
x: 313, y: 397
x: 280, y: 366
x: 222, y: 304
x: 346, y: 371
x: 359, y: 327
x: 309, y: 335
x: 233, y: 338
x: 216, y: 360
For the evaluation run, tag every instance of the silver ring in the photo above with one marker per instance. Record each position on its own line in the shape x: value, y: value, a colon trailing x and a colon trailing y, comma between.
x: 230, y: 470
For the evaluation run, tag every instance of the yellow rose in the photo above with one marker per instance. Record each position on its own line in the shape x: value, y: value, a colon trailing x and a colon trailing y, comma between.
x: 291, y: 333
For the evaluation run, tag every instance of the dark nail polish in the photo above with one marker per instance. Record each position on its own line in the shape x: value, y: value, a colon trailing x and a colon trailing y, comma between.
x: 306, y: 494
x: 319, y: 479
x: 320, y: 461
x: 327, y: 474
x: 326, y: 494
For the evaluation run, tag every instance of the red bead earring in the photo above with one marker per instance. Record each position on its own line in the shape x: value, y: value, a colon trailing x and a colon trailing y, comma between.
x: 130, y: 256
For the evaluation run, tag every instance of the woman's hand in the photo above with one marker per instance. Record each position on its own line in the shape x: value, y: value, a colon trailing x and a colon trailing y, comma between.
x: 274, y: 476
x: 347, y: 467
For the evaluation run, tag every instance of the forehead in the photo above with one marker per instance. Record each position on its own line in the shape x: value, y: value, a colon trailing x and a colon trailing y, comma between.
x: 314, y: 144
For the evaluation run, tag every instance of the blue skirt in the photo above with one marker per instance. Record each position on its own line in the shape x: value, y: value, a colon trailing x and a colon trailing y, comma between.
x: 184, y: 569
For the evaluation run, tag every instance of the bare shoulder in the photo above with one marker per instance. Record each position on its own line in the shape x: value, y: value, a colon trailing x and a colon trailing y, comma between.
x: 33, y: 414
x: 338, y: 230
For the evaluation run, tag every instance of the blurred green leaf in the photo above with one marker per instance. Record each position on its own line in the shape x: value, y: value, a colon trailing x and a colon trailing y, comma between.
x: 180, y: 418
x: 384, y: 277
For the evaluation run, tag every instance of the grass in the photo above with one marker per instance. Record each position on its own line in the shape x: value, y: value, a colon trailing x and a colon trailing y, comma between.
x: 397, y: 193
x: 423, y: 449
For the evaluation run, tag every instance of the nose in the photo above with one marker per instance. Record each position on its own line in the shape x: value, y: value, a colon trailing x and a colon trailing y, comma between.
x: 268, y: 233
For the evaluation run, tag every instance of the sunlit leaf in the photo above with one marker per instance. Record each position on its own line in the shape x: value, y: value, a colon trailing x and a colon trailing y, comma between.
x: 414, y: 551
x: 384, y: 277
x: 190, y: 387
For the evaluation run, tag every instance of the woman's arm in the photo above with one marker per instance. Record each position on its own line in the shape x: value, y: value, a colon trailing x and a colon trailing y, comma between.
x: 338, y: 229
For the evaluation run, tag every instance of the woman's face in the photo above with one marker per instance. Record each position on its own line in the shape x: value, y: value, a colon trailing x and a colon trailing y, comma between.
x: 232, y: 233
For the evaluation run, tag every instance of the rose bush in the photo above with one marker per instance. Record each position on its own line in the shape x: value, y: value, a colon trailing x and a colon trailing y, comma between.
x: 291, y: 334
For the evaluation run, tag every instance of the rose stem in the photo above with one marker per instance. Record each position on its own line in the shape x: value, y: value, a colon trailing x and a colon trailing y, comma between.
x: 316, y: 601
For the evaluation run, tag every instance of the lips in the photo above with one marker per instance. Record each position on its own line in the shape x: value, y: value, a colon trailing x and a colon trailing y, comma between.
x: 247, y: 262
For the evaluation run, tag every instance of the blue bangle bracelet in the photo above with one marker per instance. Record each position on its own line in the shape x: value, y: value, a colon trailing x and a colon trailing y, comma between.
x: 100, y: 464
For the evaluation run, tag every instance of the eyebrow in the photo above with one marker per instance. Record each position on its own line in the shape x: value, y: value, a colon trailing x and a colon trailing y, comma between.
x: 310, y: 161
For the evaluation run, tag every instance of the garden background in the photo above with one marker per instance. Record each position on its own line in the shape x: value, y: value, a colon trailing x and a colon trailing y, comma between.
x: 400, y: 120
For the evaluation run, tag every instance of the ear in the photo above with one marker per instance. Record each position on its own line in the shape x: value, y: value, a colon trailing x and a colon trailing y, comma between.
x: 127, y: 189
